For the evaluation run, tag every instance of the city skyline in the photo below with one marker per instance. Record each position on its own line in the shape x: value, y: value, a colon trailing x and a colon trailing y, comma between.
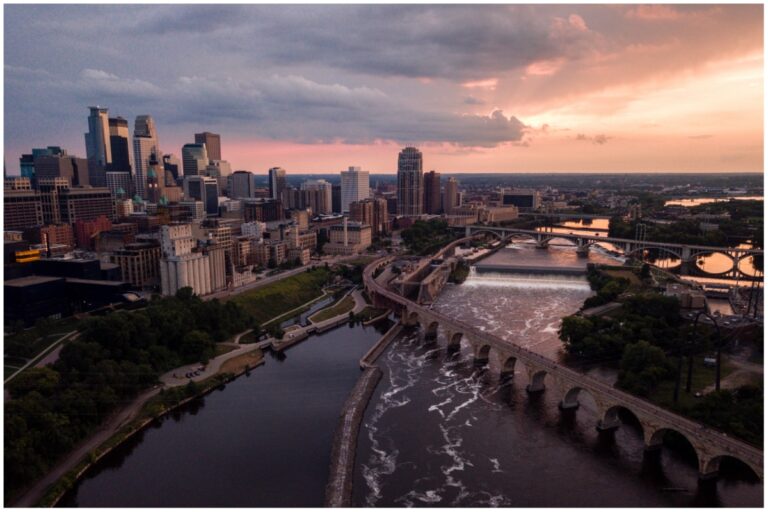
x: 571, y: 88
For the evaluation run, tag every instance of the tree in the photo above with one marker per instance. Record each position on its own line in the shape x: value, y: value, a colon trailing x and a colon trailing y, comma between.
x: 642, y: 367
x: 43, y: 380
x: 186, y: 293
x: 573, y: 331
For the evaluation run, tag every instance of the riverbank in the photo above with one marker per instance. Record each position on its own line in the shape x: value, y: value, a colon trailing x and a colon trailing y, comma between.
x: 219, y: 370
x: 152, y: 406
x: 341, y: 473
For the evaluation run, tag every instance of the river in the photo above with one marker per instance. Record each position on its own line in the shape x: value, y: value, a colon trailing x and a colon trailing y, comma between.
x: 264, y: 440
x: 440, y: 432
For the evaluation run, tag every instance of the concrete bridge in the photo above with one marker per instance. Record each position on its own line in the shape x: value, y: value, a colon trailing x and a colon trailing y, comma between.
x: 711, y: 447
x: 687, y: 254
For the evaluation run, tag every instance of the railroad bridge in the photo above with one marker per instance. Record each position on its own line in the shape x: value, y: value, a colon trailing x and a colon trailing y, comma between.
x: 687, y: 254
x: 711, y: 446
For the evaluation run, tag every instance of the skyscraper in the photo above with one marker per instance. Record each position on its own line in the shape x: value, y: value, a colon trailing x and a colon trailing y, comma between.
x: 205, y: 189
x: 451, y: 195
x: 410, y: 183
x: 212, y: 143
x: 97, y: 147
x: 276, y: 182
x: 119, y: 145
x: 432, y: 202
x: 241, y: 185
x: 145, y: 147
x: 194, y: 158
x: 320, y: 198
x: 355, y: 186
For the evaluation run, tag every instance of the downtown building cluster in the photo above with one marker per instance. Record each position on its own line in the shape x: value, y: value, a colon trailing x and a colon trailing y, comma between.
x: 130, y: 219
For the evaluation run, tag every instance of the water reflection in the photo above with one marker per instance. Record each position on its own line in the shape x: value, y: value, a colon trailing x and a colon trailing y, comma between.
x: 689, y: 202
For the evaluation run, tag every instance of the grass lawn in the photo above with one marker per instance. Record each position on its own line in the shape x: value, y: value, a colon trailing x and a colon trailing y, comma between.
x: 223, y: 349
x: 626, y: 274
x: 362, y: 260
x: 282, y: 296
x: 343, y: 306
x: 703, y: 376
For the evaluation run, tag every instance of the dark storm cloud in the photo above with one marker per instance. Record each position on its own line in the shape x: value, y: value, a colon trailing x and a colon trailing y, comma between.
x: 283, y: 108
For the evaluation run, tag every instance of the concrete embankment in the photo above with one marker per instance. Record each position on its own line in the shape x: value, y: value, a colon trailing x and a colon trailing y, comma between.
x: 338, y: 492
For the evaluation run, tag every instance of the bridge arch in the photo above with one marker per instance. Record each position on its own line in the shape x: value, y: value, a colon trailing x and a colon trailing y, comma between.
x: 571, y: 399
x: 482, y: 354
x: 611, y: 420
x: 546, y: 241
x: 728, y: 261
x: 412, y: 318
x: 665, y: 250
x: 430, y: 334
x: 748, y: 260
x: 537, y: 379
x: 655, y: 439
x: 712, y: 467
x: 454, y: 340
x: 507, y: 364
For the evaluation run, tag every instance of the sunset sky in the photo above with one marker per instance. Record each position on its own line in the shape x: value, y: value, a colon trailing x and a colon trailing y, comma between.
x: 318, y: 88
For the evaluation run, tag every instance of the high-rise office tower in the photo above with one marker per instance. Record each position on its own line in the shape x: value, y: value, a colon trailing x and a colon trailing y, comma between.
x: 145, y: 147
x: 27, y: 161
x: 432, y: 202
x: 97, y: 147
x: 410, y: 183
x: 61, y: 165
x: 119, y: 145
x: 451, y: 195
x: 241, y: 185
x: 355, y: 186
x: 195, y: 159
x: 320, y: 198
x: 205, y: 189
x: 212, y: 143
x: 276, y: 182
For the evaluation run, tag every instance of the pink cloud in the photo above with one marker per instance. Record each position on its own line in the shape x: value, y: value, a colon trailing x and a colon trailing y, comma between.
x: 653, y: 12
x: 544, y: 67
x: 488, y: 83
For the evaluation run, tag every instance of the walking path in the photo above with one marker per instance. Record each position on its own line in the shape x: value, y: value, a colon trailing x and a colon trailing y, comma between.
x: 107, y: 430
x: 47, y: 356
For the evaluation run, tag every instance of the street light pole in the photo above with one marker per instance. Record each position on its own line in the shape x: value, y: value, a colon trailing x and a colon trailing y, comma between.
x: 718, y: 345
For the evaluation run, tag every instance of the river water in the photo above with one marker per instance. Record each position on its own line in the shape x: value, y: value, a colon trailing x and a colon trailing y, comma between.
x: 264, y: 440
x: 440, y: 432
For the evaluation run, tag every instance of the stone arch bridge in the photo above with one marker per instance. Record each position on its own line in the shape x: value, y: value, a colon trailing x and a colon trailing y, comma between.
x: 687, y: 254
x: 711, y: 446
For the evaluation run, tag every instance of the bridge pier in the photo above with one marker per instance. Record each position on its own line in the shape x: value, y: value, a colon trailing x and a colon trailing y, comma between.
x: 582, y: 251
x: 609, y: 422
x: 536, y: 383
